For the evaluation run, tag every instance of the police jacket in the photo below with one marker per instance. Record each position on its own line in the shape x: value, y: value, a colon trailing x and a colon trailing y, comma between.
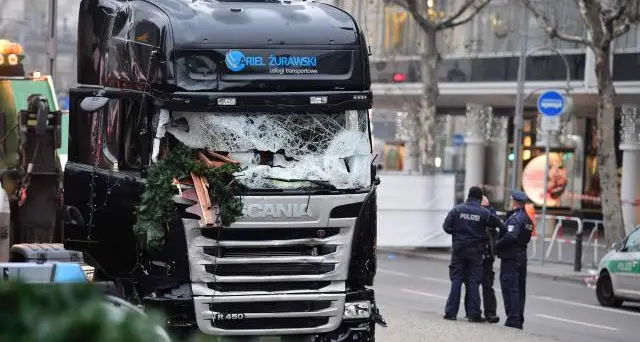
x: 467, y: 223
x: 514, y: 237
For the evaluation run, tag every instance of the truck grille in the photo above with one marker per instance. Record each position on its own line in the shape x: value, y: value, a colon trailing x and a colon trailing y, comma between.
x: 269, y: 314
x: 282, y: 275
x: 261, y: 252
x: 261, y: 270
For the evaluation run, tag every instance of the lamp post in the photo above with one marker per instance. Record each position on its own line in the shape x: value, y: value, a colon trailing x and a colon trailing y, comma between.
x: 518, y: 119
x: 52, y: 42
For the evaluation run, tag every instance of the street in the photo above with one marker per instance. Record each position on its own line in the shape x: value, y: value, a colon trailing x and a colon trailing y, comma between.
x: 407, y: 289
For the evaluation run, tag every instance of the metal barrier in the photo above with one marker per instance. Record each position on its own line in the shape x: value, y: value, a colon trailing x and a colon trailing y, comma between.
x: 557, y: 240
x: 592, y: 240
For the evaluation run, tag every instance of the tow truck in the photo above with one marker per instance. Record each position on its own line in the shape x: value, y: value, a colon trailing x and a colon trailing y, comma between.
x: 31, y: 128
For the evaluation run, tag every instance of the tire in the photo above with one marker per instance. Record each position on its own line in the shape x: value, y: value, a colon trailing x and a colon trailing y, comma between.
x: 604, y: 291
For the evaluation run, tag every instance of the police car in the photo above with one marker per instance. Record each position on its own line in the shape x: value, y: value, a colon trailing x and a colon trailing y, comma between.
x: 619, y: 272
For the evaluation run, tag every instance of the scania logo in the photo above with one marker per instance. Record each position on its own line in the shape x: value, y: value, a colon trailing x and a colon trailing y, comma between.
x: 276, y: 210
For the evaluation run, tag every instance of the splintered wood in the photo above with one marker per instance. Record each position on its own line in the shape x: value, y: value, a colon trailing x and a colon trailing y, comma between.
x: 195, y: 190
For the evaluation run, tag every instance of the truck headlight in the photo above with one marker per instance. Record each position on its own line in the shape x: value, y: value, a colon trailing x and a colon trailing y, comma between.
x: 353, y: 310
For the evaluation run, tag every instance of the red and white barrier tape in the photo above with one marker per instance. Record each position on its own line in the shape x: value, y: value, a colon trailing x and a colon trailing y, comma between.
x: 576, y: 196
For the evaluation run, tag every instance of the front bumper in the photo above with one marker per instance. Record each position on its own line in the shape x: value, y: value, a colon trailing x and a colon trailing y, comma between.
x: 184, y: 319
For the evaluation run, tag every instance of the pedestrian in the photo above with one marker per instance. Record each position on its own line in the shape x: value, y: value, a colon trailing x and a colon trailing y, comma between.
x: 511, y: 248
x: 467, y: 224
x: 488, y: 275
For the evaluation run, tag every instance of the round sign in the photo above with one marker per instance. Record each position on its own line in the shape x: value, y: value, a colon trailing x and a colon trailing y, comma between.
x: 458, y: 140
x: 551, y: 103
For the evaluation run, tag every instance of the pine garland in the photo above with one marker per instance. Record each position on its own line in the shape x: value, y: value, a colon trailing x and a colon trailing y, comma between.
x: 157, y: 207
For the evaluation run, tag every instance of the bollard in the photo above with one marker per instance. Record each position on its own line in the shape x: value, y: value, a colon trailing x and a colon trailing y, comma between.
x: 577, y: 263
x: 5, y: 224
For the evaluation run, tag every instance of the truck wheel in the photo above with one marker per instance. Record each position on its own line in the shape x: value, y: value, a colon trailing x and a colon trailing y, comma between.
x: 604, y: 291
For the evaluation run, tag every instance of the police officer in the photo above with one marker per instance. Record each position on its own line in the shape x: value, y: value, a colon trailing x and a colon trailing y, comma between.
x: 488, y: 275
x: 511, y: 247
x: 467, y: 224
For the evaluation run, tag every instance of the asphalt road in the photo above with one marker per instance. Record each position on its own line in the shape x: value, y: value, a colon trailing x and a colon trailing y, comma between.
x: 411, y: 294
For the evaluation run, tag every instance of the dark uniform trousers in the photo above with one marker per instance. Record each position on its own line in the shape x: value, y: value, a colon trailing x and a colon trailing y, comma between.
x: 513, y: 280
x: 511, y: 247
x: 488, y: 293
x: 471, y: 259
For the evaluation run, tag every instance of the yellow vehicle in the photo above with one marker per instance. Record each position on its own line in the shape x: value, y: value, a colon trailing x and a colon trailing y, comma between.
x: 31, y: 139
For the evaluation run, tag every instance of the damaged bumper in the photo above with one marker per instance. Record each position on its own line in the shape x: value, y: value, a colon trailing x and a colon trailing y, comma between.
x: 357, y: 323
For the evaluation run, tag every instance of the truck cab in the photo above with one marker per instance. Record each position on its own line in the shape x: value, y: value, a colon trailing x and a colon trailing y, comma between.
x: 279, y: 88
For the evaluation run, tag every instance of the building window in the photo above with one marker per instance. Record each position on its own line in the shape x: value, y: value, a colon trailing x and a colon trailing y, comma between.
x: 498, y: 29
x: 630, y: 41
x: 396, y: 24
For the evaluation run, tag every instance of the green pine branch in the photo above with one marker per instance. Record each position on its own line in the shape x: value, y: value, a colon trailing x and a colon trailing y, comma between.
x: 157, y: 207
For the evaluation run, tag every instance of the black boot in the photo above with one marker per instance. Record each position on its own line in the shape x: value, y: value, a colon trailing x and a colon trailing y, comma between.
x: 493, y: 319
x: 478, y: 319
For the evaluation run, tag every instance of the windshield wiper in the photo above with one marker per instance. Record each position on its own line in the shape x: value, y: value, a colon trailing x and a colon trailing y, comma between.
x: 322, y: 183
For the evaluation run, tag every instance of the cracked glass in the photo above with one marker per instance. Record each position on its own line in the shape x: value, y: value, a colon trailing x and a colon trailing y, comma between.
x: 331, y: 148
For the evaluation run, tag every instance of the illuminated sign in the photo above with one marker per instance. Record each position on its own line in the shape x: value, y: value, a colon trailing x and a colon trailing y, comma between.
x: 560, y: 166
x: 237, y: 61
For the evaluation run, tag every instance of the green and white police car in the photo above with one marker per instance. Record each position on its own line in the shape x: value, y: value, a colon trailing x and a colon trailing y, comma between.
x: 619, y: 272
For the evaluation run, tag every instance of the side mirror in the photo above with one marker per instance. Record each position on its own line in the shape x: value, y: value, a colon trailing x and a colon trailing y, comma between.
x: 91, y: 104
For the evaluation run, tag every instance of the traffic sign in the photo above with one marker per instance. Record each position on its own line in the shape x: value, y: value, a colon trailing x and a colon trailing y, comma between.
x: 550, y: 123
x: 551, y: 103
x: 458, y: 140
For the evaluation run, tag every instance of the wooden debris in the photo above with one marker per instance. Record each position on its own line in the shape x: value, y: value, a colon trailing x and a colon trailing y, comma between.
x: 203, y: 200
x: 222, y: 157
x: 195, y: 189
x: 209, y: 162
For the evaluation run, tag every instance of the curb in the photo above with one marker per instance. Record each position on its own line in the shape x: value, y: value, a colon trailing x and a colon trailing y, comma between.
x: 577, y: 279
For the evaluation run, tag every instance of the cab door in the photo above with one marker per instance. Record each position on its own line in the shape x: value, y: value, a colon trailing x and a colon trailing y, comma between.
x: 103, y: 180
x: 627, y: 267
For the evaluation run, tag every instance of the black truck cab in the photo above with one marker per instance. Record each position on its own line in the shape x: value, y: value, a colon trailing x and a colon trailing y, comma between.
x: 281, y: 86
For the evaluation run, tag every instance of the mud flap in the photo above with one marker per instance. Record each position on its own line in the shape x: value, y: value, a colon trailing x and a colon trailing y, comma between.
x: 376, y: 317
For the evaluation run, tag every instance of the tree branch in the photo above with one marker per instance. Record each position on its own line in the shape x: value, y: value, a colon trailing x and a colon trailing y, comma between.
x: 621, y: 29
x: 626, y: 15
x: 617, y: 14
x: 423, y: 22
x: 551, y: 29
x: 453, y: 21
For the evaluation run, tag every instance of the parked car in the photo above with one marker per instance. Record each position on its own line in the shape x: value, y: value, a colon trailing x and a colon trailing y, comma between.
x: 619, y: 272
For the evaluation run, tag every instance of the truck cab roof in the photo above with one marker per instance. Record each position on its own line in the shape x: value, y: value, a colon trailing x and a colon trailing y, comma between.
x: 258, y: 23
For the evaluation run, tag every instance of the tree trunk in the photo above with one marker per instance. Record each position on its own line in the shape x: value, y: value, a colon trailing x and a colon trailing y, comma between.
x: 607, y: 166
x: 427, y: 109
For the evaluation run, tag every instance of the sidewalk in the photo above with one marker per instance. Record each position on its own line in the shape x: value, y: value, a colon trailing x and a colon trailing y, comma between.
x: 556, y: 272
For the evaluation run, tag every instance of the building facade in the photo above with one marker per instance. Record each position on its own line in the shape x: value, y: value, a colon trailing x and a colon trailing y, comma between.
x: 480, y: 66
x: 26, y: 22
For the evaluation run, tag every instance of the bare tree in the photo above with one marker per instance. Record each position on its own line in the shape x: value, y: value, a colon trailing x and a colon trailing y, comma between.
x: 605, y: 21
x: 431, y: 26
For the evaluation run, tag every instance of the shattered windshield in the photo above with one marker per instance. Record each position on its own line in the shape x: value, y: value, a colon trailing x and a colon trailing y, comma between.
x: 281, y: 151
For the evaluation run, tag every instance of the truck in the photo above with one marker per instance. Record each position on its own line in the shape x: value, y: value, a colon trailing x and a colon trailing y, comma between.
x: 273, y: 98
x: 31, y: 126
